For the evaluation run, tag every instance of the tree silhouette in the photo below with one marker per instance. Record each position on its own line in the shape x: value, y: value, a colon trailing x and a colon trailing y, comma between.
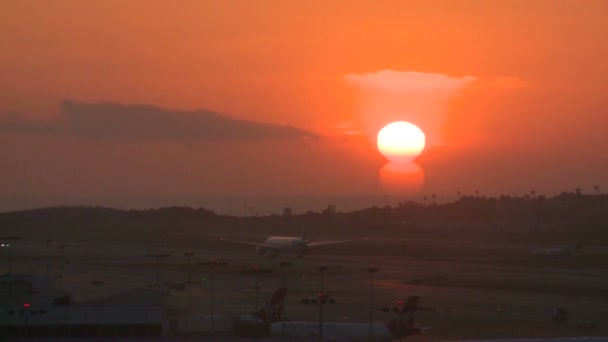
x: 330, y: 210
x: 287, y: 211
x: 597, y: 189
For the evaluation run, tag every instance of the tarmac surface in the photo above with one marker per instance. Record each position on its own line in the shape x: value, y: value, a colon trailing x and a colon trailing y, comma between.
x: 497, y: 291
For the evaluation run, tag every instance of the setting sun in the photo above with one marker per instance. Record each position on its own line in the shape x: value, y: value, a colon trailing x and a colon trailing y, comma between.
x: 400, y: 142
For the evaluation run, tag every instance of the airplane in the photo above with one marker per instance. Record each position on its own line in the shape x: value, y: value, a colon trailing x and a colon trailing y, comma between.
x: 401, y: 325
x: 274, y: 245
x: 557, y: 252
x: 5, y: 240
x: 271, y: 312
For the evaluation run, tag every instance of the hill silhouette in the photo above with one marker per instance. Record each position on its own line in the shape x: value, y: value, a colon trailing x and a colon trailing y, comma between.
x: 573, y: 214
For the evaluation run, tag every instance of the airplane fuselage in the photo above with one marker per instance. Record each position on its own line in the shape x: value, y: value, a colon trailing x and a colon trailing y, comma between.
x: 332, y: 331
x: 552, y: 252
x: 284, y: 244
x: 557, y: 252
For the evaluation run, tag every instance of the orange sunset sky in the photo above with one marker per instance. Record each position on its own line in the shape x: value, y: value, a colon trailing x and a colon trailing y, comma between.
x: 135, y: 103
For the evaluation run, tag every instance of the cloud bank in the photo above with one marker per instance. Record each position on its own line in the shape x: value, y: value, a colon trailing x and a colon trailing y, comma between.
x: 409, y: 81
x: 420, y: 98
x: 144, y: 122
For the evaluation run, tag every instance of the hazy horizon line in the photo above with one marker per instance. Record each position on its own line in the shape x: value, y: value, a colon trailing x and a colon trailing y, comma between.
x: 247, y: 205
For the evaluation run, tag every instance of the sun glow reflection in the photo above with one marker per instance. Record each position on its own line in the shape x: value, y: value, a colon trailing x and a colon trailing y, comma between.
x: 401, y: 179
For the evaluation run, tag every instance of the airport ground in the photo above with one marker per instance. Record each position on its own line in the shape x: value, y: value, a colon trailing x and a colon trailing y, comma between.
x: 479, y: 288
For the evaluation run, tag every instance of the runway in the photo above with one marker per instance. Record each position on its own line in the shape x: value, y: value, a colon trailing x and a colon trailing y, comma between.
x: 506, y: 294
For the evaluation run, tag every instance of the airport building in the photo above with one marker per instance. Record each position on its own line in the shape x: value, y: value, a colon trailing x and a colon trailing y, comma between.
x: 31, y: 306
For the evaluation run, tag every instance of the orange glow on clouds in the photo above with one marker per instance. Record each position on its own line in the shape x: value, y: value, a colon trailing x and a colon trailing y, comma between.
x: 400, y: 142
x: 417, y: 97
x: 425, y: 99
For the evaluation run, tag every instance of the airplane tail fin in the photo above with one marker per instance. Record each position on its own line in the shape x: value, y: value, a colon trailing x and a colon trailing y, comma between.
x: 411, y: 304
x: 273, y: 310
x: 303, y: 235
x: 402, y: 324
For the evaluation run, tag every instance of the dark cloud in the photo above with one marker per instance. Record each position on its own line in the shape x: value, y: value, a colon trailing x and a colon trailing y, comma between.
x: 145, y: 122
x: 17, y: 123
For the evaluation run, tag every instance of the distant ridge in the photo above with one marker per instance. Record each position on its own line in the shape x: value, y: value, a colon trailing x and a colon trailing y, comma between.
x: 93, y: 213
x: 562, y: 209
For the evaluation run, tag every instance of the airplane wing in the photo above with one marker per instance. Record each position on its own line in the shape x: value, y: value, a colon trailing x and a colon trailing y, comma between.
x: 249, y: 243
x: 327, y: 242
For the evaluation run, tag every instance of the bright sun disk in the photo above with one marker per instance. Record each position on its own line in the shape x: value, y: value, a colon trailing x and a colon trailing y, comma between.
x: 401, y: 142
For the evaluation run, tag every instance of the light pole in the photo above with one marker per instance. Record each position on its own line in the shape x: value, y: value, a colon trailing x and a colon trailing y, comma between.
x: 321, y: 296
x: 26, y: 307
x: 157, y: 257
x: 212, y: 264
x: 61, y: 247
x: 48, y: 245
x: 256, y: 269
x: 399, y: 312
x: 9, y: 262
x: 322, y: 269
x: 211, y: 295
x: 189, y: 255
x: 285, y: 274
x: 372, y: 270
